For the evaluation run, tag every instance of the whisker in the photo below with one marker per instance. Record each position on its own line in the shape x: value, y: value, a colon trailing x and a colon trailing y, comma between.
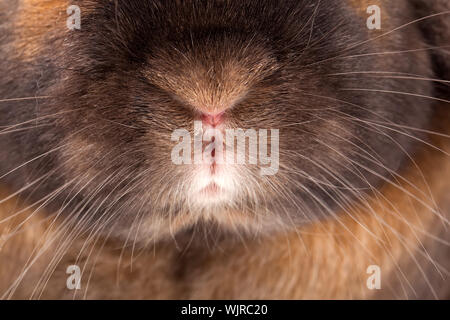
x: 25, y: 98
x: 397, y: 92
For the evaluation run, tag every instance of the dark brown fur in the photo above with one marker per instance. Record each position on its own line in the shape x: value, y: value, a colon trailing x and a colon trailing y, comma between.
x: 357, y: 184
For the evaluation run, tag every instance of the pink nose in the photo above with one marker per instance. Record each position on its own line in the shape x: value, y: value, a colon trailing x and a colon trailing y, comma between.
x: 212, y: 119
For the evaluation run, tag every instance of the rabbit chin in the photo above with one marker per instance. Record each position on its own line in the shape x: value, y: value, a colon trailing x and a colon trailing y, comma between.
x: 214, y: 188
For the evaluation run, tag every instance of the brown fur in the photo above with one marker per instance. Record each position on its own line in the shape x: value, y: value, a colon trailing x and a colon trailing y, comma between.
x: 324, y: 260
x: 402, y: 227
x: 35, y: 20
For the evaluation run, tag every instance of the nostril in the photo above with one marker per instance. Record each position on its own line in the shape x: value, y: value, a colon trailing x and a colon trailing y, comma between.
x: 212, y: 119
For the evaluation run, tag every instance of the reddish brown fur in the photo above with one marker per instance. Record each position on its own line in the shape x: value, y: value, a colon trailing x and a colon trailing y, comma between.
x: 323, y: 260
x: 326, y: 259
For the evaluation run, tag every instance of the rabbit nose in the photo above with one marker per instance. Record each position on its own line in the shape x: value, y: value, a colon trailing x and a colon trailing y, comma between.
x: 212, y: 119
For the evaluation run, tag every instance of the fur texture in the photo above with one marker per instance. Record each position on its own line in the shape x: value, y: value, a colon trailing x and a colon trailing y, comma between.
x: 85, y: 151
